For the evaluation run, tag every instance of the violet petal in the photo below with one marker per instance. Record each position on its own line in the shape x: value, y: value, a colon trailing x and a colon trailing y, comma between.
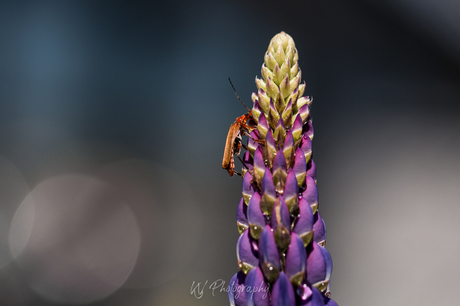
x: 291, y: 191
x: 297, y: 128
x: 256, y: 218
x: 283, y: 292
x: 245, y: 252
x: 306, y: 147
x: 259, y: 166
x: 248, y: 188
x: 241, y: 217
x: 311, y: 170
x: 269, y: 148
x: 319, y: 264
x: 262, y: 126
x: 257, y: 290
x: 279, y: 173
x: 236, y: 287
x: 256, y: 110
x: 252, y: 145
x: 288, y: 148
x: 304, y: 111
x: 248, y: 161
x: 269, y: 256
x: 296, y: 259
x: 268, y: 193
x: 303, y: 225
x: 311, y: 193
x: 300, y: 167
x: 308, y: 129
x: 319, y: 228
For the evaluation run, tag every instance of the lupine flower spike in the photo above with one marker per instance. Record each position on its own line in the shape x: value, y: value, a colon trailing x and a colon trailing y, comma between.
x: 281, y: 250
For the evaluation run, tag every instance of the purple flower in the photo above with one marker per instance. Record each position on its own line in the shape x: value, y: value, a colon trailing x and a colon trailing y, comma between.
x: 282, y: 235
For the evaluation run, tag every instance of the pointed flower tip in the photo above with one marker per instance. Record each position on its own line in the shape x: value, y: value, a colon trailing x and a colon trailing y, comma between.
x: 246, y: 253
x: 283, y: 292
x: 282, y: 39
x: 268, y: 192
x: 256, y: 219
x: 319, y: 265
x: 248, y: 188
x: 319, y: 228
x: 268, y: 255
x: 291, y: 191
x: 296, y: 259
x: 257, y: 290
x: 235, y: 288
x: 304, y: 223
x: 279, y: 172
x: 241, y: 217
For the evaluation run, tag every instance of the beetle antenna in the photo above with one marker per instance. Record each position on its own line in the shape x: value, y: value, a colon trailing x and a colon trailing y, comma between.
x: 237, y: 95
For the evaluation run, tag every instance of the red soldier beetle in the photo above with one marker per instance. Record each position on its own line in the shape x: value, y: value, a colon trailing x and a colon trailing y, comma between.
x: 242, y: 126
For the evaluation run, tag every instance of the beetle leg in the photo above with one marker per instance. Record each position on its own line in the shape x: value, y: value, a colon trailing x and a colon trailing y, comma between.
x: 244, y: 164
x: 262, y: 142
x: 246, y: 132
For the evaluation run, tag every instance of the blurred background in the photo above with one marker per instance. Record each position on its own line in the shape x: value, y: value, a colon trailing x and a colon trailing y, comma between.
x: 113, y: 118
